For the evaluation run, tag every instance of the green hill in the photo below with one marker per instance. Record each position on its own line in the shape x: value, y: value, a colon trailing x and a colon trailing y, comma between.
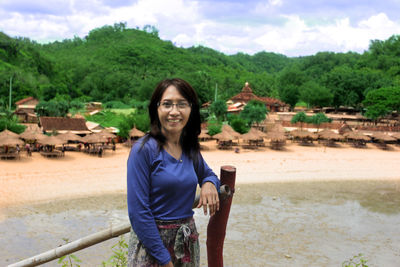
x: 115, y: 63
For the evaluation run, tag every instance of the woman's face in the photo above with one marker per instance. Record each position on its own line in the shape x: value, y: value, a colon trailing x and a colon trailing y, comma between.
x: 173, y: 112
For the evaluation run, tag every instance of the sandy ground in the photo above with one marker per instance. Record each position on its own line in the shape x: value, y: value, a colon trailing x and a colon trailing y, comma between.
x: 37, y: 179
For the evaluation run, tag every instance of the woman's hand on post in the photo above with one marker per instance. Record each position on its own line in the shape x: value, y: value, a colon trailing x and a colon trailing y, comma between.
x: 209, y: 197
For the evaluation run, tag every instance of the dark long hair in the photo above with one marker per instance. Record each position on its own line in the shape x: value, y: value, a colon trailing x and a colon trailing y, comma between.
x: 189, y: 137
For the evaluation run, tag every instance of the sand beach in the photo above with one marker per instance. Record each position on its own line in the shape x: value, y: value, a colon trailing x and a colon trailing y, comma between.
x: 38, y: 179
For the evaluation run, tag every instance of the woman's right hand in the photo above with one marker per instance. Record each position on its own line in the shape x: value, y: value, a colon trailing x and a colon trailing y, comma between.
x: 169, y: 264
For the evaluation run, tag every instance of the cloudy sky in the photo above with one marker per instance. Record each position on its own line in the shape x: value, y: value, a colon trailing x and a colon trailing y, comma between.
x: 289, y: 27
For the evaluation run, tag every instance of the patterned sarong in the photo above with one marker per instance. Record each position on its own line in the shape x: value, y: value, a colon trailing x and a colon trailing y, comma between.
x: 180, y: 237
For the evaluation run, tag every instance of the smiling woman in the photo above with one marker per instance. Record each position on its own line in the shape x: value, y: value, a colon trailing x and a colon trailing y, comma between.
x: 164, y: 168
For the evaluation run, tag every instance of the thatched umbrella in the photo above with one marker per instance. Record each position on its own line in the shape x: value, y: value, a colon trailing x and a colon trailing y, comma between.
x: 344, y: 128
x: 229, y: 129
x: 69, y: 136
x: 303, y: 134
x: 277, y: 139
x: 134, y: 132
x: 50, y: 140
x: 278, y: 128
x: 106, y: 134
x: 396, y: 135
x: 329, y: 135
x: 356, y: 136
x: 29, y: 135
x: 223, y: 136
x: 7, y: 133
x: 95, y: 138
x: 358, y: 139
x: 253, y: 134
x: 204, y: 135
x: 381, y: 137
x: 10, y: 141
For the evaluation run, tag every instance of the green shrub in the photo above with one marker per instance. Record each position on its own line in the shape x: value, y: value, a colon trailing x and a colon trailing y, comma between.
x: 238, y: 124
x: 214, y: 127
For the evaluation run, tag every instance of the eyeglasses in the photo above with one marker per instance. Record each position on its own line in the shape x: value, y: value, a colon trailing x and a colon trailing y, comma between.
x: 168, y: 106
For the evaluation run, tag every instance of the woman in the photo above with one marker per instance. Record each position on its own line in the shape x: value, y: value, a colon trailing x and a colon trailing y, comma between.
x: 164, y: 168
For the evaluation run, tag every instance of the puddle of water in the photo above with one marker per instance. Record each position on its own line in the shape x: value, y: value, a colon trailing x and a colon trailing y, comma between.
x: 275, y: 224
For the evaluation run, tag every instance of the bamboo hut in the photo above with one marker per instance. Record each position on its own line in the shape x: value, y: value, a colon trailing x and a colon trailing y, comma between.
x: 357, y: 139
x: 329, y: 137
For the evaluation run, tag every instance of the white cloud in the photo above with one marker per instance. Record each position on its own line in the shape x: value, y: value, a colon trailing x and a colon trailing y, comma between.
x: 182, y: 22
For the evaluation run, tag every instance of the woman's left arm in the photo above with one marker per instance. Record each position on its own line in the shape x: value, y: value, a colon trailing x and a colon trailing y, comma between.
x: 210, y: 184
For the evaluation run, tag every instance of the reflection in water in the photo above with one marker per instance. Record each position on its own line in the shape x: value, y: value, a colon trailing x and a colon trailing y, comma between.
x: 274, y: 224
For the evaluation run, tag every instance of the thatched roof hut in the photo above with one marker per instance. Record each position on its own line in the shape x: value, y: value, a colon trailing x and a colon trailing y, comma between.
x: 303, y: 134
x: 69, y: 136
x: 345, y: 128
x: 278, y: 128
x: 356, y: 136
x: 329, y: 135
x: 10, y: 141
x: 381, y: 137
x: 250, y: 137
x: 396, y: 135
x: 223, y: 136
x: 230, y: 130
x: 204, y: 135
x: 51, y: 140
x: 95, y: 138
x: 7, y: 134
x: 134, y: 132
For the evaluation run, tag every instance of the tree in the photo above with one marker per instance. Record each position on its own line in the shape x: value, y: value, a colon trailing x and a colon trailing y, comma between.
x: 10, y: 121
x: 381, y: 102
x: 315, y: 94
x: 318, y: 119
x: 300, y: 117
x: 52, y: 108
x: 219, y: 109
x: 290, y: 95
x: 254, y: 111
x: 238, y: 123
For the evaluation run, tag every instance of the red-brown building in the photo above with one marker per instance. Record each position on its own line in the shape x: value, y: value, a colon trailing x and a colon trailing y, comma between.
x: 62, y: 125
x: 272, y: 104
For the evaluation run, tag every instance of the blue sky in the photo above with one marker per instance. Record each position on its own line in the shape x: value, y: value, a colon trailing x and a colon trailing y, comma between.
x: 289, y: 27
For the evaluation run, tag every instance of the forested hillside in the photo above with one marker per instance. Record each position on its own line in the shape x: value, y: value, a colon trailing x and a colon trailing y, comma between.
x: 115, y: 63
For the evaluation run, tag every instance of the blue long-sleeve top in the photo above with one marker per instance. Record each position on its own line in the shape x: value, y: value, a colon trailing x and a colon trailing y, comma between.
x: 161, y: 187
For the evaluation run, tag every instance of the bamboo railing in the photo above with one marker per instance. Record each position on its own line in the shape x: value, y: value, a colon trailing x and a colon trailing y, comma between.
x: 93, y: 239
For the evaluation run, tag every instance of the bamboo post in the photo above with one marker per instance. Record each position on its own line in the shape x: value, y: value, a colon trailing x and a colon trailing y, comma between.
x: 216, y: 228
x: 93, y: 239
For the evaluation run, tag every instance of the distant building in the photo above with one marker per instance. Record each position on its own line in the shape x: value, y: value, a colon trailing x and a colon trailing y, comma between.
x: 92, y: 106
x: 25, y: 110
x: 240, y: 100
x: 62, y: 125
